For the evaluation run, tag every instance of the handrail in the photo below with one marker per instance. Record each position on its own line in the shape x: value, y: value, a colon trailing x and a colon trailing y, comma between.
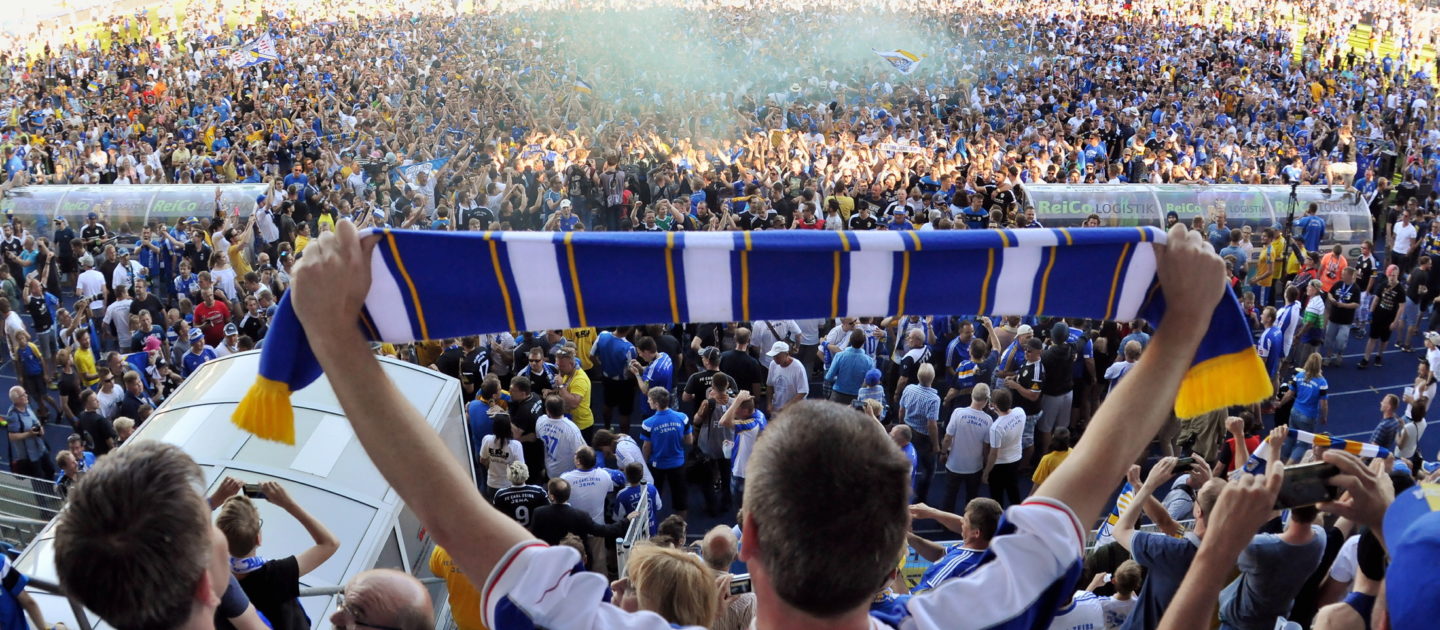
x: 81, y: 619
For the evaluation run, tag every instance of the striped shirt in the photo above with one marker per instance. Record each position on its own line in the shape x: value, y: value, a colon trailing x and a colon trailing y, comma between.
x: 958, y: 561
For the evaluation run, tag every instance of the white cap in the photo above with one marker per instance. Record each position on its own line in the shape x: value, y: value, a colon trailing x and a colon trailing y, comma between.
x: 777, y: 348
x: 564, y: 203
x: 1024, y: 329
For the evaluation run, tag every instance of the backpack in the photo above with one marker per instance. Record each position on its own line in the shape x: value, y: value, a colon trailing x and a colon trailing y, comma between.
x: 788, y: 338
x: 614, y: 187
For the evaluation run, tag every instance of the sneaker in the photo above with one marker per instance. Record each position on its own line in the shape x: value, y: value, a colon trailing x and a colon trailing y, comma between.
x: 1379, y: 362
x: 1364, y: 363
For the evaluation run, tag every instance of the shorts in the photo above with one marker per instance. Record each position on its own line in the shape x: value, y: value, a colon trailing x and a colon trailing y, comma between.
x: 1380, y: 325
x: 620, y: 395
x: 1027, y: 439
x: 1055, y: 410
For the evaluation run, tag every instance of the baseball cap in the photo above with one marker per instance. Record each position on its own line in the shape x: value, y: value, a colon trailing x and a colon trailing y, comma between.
x: 1024, y: 329
x: 230, y: 329
x: 709, y: 353
x: 564, y: 203
x: 1060, y: 331
x: 123, y: 251
x: 873, y: 376
x: 196, y: 335
x: 1412, y: 532
x: 92, y: 215
x: 1433, y: 337
x: 152, y: 343
x: 778, y: 348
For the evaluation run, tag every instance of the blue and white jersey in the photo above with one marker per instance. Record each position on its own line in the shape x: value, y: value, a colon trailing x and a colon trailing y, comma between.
x: 1040, y: 541
x: 193, y: 360
x: 957, y: 562
x: 660, y: 372
x: 1288, y: 320
x: 628, y: 500
x: 612, y: 353
x: 1271, y: 348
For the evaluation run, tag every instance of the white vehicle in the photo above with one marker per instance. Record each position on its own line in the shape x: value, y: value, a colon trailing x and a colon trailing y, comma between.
x: 326, y: 471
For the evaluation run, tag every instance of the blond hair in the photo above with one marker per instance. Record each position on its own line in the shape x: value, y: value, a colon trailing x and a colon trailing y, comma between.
x: 240, y: 522
x: 673, y: 583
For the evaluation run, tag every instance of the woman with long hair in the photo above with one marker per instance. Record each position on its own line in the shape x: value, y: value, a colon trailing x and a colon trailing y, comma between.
x: 1308, y: 389
x: 497, y: 451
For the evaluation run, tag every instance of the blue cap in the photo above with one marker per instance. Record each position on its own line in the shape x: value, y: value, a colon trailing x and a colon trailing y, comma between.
x: 1412, y: 532
x: 872, y: 377
x: 196, y: 335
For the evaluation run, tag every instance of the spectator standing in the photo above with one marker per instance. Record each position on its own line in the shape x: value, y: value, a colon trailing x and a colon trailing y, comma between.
x: 920, y: 409
x: 1002, y: 462
x: 967, y: 439
x: 715, y: 443
x: 29, y: 455
x: 498, y: 451
x: 520, y: 500
x: 665, y: 437
x: 787, y: 381
x: 562, y: 439
x: 273, y: 585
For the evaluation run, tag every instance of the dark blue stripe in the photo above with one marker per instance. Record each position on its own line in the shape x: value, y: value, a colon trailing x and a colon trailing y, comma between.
x: 735, y: 276
x: 897, y: 274
x: 622, y: 283
x: 843, y: 300
x: 1047, y: 254
x: 678, y: 258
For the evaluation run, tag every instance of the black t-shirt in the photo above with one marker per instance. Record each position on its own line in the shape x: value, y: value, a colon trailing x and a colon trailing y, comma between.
x: 1418, y: 286
x: 96, y: 429
x: 858, y: 222
x: 39, y: 313
x: 523, y: 415
x: 449, y: 361
x: 1343, y: 293
x: 1058, y: 362
x: 151, y: 304
x: 96, y: 231
x: 1030, y: 378
x: 520, y: 502
x: 742, y: 367
x: 274, y: 589
x: 1389, y: 300
x: 698, y: 384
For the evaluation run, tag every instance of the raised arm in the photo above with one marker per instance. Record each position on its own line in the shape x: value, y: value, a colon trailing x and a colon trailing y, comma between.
x: 1193, y: 278
x: 326, y: 544
x: 330, y: 286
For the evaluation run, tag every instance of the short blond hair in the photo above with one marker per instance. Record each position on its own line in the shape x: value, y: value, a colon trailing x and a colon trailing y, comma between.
x: 926, y: 374
x: 240, y: 522
x: 122, y: 423
x: 674, y: 584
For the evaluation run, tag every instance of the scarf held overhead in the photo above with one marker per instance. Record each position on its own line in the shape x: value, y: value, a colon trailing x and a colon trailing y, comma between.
x: 517, y: 281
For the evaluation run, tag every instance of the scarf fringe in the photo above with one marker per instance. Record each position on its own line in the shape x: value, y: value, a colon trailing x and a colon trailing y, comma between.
x: 1238, y: 378
x: 265, y: 411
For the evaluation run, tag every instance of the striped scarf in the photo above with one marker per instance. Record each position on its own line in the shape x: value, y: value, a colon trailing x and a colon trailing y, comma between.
x: 1256, y: 463
x: 544, y: 280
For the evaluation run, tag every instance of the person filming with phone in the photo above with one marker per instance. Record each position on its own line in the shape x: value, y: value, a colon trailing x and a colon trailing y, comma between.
x: 272, y: 585
x: 29, y: 454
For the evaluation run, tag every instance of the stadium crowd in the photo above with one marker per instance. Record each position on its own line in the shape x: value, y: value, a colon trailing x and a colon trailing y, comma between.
x: 419, y: 116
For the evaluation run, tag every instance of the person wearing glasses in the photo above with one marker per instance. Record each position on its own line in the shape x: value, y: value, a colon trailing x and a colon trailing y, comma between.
x: 272, y: 585
x: 543, y: 375
x: 385, y: 599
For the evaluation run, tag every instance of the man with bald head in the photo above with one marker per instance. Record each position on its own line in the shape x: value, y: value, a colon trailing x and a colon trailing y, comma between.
x: 384, y: 598
x: 719, y: 548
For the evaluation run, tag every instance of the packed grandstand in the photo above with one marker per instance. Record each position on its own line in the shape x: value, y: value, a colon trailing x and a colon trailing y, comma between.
x: 676, y: 243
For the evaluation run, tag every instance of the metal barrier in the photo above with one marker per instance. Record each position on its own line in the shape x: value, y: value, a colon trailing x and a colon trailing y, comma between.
x: 28, y: 499
x: 82, y: 620
x: 638, y: 532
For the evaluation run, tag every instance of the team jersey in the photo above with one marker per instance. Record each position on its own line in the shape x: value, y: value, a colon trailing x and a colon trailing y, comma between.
x: 520, y: 502
x: 561, y: 439
x: 666, y: 431
x: 1271, y: 348
x: 628, y: 500
x: 1022, y: 580
x: 612, y: 354
x: 1288, y: 320
x: 192, y: 361
x: 626, y: 451
x: 1308, y: 394
x: 583, y: 339
x: 660, y: 372
x: 746, y: 432
x: 958, y: 561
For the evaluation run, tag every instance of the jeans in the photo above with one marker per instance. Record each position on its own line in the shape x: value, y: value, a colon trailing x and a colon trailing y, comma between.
x: 925, y: 457
x: 1294, y: 448
x: 737, y: 489
x: 953, y: 481
x: 1005, y: 483
x: 1337, y: 336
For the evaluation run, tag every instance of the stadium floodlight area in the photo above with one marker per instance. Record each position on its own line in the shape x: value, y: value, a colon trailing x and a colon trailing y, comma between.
x: 327, y: 472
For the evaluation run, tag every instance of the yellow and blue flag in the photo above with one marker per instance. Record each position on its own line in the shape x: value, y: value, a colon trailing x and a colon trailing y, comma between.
x: 582, y: 87
x: 545, y: 280
x: 903, y: 60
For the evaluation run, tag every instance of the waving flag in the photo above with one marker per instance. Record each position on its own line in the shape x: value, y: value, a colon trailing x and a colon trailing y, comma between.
x: 254, y: 52
x: 541, y: 280
x: 409, y: 172
x: 903, y: 60
x: 582, y: 87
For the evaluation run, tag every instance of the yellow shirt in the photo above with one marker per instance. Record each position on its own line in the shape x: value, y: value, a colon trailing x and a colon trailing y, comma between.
x: 1048, y: 464
x: 847, y: 205
x: 323, y: 220
x: 464, y: 597
x: 237, y: 260
x: 579, y: 383
x: 85, y: 364
x: 582, y: 339
x: 300, y: 243
x: 1265, y: 266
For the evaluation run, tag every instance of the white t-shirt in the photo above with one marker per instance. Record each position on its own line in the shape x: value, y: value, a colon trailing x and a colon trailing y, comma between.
x: 969, y: 429
x: 588, y: 489
x: 118, y: 315
x: 762, y: 338
x: 1347, y: 561
x: 1079, y: 615
x: 561, y: 439
x: 785, y: 383
x: 626, y: 451
x: 500, y: 459
x: 1005, y: 434
x: 91, y: 283
x: 109, y: 401
x: 1404, y: 237
x: 13, y: 324
x: 1316, y: 306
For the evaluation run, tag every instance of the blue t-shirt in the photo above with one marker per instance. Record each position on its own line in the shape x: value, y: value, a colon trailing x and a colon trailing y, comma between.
x: 1165, y: 559
x: 666, y: 431
x: 12, y: 584
x: 1312, y: 227
x: 660, y: 372
x: 957, y: 562
x: 613, y: 353
x: 1385, y: 432
x: 1308, y: 394
x: 192, y: 361
x: 481, y: 424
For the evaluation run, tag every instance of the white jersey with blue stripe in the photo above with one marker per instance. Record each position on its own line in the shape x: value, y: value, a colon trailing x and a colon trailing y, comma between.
x: 1288, y: 319
x: 1029, y: 571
